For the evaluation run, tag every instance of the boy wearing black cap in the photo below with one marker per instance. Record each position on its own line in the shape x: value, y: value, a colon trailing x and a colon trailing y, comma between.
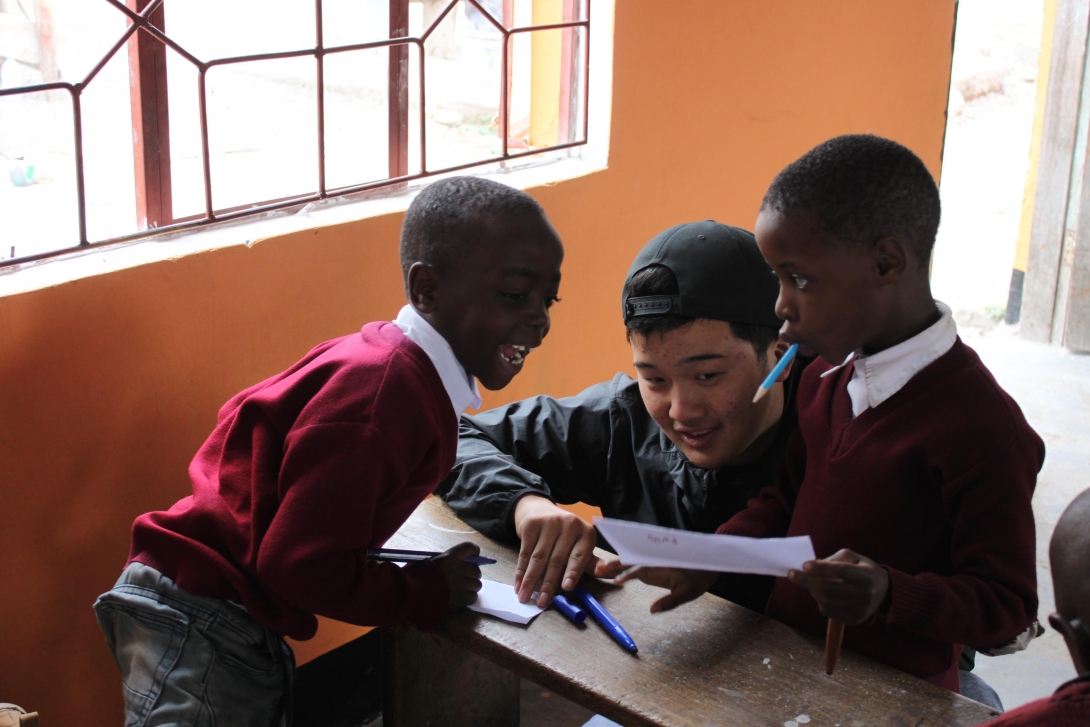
x: 912, y: 470
x: 679, y: 446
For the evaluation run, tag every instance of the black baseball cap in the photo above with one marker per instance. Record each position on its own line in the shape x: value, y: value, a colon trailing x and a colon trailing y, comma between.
x: 720, y: 275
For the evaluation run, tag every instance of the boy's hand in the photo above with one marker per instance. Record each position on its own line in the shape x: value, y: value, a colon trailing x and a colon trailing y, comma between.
x: 555, y: 544
x: 684, y: 585
x: 463, y: 579
x: 847, y: 586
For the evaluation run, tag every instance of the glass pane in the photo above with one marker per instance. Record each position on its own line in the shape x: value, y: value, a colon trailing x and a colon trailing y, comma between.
x: 347, y: 22
x: 63, y: 40
x: 38, y: 186
x: 356, y: 117
x: 211, y: 29
x: 262, y: 131
x: 462, y: 85
x: 479, y: 22
x: 65, y: 43
x: 547, y: 77
x: 551, y: 101
x: 186, y: 169
x: 108, y: 171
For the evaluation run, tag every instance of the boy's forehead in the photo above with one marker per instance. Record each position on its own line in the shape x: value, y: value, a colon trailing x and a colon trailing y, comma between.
x: 503, y: 237
x: 518, y: 251
x: 702, y: 340
x: 790, y: 235
x: 529, y: 273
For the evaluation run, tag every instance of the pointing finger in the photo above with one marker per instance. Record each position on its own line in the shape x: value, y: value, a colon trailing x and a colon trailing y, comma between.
x: 608, y: 568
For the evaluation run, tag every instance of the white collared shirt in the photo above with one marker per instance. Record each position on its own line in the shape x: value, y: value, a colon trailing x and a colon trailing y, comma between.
x: 461, y: 387
x: 881, y: 375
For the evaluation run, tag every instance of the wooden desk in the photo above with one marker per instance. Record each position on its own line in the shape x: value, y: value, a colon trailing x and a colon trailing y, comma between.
x: 708, y: 662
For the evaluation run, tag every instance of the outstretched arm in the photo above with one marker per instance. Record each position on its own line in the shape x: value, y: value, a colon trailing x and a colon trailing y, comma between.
x: 516, y: 462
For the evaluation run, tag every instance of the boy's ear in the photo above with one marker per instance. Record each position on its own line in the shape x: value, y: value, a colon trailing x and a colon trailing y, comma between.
x: 891, y: 259
x: 422, y: 286
x: 781, y: 347
x: 1077, y: 636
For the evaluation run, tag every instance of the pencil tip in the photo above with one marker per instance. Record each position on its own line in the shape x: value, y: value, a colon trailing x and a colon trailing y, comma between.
x: 760, y: 394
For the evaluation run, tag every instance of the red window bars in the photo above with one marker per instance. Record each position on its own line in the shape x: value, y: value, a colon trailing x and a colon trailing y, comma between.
x: 151, y: 128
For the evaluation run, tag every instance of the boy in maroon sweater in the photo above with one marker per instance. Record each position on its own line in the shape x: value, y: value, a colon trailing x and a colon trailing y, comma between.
x: 1070, y: 557
x: 308, y: 469
x: 911, y: 470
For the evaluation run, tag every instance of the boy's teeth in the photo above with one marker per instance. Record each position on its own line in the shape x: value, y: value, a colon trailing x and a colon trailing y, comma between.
x: 513, y: 354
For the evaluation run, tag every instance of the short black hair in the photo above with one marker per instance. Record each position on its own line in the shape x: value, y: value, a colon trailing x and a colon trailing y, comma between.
x: 660, y: 280
x: 861, y: 187
x: 446, y: 214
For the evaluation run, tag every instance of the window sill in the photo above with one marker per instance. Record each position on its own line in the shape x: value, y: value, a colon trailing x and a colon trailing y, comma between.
x: 171, y: 246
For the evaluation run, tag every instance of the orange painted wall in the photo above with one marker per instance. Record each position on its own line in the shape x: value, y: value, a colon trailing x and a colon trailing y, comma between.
x: 109, y: 384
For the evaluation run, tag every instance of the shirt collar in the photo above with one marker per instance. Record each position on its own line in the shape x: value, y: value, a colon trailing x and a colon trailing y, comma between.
x: 461, y: 387
x: 881, y: 375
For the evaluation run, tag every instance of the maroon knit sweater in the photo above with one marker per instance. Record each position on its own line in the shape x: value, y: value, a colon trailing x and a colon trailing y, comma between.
x: 935, y: 485
x: 1068, y: 707
x: 302, y: 474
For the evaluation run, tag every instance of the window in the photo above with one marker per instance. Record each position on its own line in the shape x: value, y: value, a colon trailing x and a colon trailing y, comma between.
x: 122, y: 120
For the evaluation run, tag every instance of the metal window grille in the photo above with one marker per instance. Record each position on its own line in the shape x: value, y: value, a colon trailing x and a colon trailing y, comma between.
x: 150, y: 117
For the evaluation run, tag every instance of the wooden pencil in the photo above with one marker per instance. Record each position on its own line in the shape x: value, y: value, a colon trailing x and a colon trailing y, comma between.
x: 834, y: 637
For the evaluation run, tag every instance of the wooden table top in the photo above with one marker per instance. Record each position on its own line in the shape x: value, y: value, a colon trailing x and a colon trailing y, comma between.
x: 709, y: 662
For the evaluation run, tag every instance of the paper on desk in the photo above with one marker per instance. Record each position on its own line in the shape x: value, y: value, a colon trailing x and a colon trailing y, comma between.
x: 500, y: 600
x: 639, y: 544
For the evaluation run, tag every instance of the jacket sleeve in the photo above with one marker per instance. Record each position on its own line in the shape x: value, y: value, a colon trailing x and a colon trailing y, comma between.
x: 768, y: 515
x: 555, y: 448
x: 990, y: 595
x: 336, y: 480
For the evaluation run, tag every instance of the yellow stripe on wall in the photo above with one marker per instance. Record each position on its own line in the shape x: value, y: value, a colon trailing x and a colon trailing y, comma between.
x: 1021, y: 252
x: 545, y: 74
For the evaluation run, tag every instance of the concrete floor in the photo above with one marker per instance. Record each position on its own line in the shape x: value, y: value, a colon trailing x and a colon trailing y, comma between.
x: 983, y: 181
x: 1052, y: 385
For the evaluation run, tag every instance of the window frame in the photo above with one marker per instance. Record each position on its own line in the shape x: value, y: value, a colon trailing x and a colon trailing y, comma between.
x: 151, y: 119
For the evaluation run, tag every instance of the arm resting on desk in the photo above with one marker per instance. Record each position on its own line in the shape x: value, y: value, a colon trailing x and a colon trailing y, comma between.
x: 555, y: 448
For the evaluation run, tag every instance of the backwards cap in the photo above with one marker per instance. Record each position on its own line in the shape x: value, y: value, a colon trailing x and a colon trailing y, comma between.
x: 720, y: 275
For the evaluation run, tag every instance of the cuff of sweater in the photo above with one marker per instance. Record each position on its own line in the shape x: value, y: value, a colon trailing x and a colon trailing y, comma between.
x: 912, y: 600
x: 747, y: 523
x: 426, y: 597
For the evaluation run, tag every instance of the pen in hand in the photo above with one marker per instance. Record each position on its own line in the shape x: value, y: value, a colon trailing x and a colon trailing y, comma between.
x: 394, y: 555
x: 834, y: 637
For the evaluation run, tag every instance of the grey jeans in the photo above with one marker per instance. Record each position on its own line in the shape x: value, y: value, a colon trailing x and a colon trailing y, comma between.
x: 191, y: 660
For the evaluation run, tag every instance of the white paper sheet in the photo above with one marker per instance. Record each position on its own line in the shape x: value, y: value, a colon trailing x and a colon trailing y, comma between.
x: 639, y: 544
x: 500, y: 600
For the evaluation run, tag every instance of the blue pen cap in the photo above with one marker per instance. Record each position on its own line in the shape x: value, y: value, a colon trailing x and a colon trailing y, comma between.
x: 574, y: 614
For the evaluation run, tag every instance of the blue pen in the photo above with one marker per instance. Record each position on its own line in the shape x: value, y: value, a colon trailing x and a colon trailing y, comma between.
x: 770, y: 380
x: 396, y: 555
x: 573, y: 613
x: 601, y: 615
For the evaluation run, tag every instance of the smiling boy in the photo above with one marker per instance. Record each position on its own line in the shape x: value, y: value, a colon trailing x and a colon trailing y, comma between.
x: 308, y: 469
x: 681, y: 445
